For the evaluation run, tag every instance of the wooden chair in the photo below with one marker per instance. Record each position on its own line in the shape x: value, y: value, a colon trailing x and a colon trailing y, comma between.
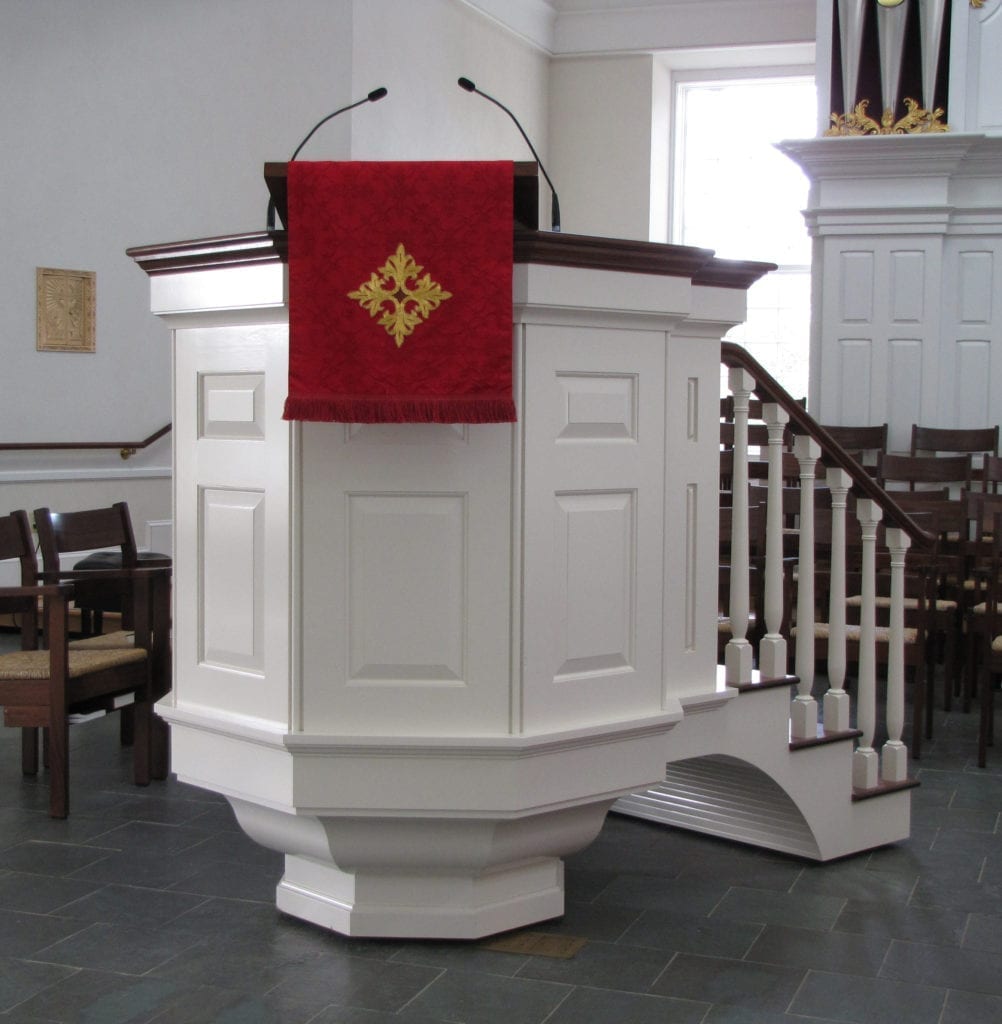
x: 43, y: 688
x: 98, y: 588
x: 864, y: 444
x: 990, y: 662
x: 977, y: 441
x: 921, y: 472
x: 950, y: 440
x: 89, y: 530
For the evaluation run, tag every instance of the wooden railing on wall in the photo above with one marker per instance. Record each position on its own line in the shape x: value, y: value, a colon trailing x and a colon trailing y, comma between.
x: 125, y: 448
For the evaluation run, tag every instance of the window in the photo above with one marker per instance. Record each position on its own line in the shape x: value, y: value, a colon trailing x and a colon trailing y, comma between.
x: 735, y: 193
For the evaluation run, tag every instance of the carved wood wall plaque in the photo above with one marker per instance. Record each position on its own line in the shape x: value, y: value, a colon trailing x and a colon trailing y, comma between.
x: 65, y: 310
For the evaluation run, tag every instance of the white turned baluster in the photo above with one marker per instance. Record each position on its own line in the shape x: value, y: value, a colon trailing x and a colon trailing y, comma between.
x: 894, y: 760
x: 836, y: 702
x: 738, y: 653
x: 804, y: 714
x: 772, y: 647
x: 865, y: 764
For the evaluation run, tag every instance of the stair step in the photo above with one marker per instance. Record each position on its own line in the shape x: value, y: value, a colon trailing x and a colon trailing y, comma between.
x: 825, y: 737
x: 883, y: 789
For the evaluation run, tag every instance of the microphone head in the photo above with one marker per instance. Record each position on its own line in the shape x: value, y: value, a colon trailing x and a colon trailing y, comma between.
x: 465, y: 83
x: 377, y: 94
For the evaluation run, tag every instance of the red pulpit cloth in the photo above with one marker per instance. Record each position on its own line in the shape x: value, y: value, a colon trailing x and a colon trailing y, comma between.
x: 400, y: 292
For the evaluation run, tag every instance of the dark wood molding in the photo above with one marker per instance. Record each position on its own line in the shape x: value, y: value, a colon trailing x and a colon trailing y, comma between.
x: 212, y: 253
x: 126, y: 448
x: 549, y: 247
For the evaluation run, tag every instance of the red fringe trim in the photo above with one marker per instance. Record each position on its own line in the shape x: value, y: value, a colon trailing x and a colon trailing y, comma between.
x: 400, y: 410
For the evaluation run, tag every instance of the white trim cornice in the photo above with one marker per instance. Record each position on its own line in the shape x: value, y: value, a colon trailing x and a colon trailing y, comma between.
x: 532, y: 20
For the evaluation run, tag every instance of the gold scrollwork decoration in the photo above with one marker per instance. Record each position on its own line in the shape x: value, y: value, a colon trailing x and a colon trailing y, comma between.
x: 915, y: 122
x: 977, y: 4
x: 398, y: 296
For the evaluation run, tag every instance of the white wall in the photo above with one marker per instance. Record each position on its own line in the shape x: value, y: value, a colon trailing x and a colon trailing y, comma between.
x: 139, y: 121
x: 602, y: 113
x: 418, y: 51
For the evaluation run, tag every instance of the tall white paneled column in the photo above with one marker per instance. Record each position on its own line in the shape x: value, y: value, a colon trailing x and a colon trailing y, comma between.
x: 907, y: 243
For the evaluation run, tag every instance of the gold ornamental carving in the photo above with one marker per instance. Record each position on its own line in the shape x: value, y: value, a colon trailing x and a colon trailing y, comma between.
x: 915, y: 122
x: 65, y: 310
x: 399, y: 297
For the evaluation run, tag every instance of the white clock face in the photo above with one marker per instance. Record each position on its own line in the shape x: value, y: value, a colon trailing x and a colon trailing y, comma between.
x: 890, y: 3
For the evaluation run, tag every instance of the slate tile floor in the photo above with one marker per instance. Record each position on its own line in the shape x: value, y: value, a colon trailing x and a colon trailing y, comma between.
x: 151, y: 905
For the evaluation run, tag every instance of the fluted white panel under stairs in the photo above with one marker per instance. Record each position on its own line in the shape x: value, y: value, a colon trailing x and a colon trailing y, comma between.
x: 732, y: 772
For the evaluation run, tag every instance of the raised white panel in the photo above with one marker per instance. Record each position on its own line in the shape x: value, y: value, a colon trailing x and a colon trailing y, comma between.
x: 972, y: 381
x: 593, y: 555
x: 907, y: 298
x: 410, y: 434
x: 691, y: 541
x: 407, y: 588
x: 231, y: 405
x: 855, y: 372
x: 856, y: 284
x: 904, y: 387
x: 596, y: 556
x: 599, y: 406
x: 231, y: 545
x: 692, y: 409
x: 974, y: 287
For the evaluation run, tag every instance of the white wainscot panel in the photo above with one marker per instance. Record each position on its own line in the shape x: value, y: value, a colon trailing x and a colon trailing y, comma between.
x: 856, y: 282
x: 407, y: 588
x: 855, y: 376
x: 974, y: 287
x: 231, y: 405
x: 410, y: 434
x: 904, y: 388
x: 972, y: 382
x: 907, y: 299
x: 596, y: 560
x: 598, y: 406
x: 231, y: 558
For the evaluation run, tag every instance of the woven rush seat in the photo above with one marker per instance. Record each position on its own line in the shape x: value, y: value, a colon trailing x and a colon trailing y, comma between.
x: 940, y: 604
x: 105, y: 641
x: 882, y: 634
x: 34, y: 665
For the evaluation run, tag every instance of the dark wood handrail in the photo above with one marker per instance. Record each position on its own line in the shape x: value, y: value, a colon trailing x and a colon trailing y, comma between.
x: 125, y: 448
x: 801, y: 422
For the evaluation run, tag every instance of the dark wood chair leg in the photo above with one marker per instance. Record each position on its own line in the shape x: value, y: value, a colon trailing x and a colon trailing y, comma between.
x: 159, y: 749
x: 29, y: 750
x: 59, y: 768
x: 141, y: 748
x: 127, y: 726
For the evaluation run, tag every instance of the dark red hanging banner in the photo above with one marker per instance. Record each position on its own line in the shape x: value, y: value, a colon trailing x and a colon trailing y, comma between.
x: 400, y: 292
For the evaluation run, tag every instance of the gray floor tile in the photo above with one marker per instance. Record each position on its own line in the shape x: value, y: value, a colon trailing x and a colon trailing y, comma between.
x: 592, y: 921
x: 41, y: 894
x: 650, y: 892
x: 971, y: 1008
x: 840, y: 952
x: 89, y: 997
x: 854, y: 881
x: 476, y: 998
x: 801, y: 910
x: 736, y: 982
x: 22, y: 979
x: 689, y: 933
x: 984, y: 932
x: 934, y: 926
x: 969, y: 969
x: 867, y: 1000
x: 45, y: 858
x: 364, y: 983
x: 597, y: 1006
x: 601, y: 965
x: 22, y: 935
x: 125, y: 904
x: 125, y: 949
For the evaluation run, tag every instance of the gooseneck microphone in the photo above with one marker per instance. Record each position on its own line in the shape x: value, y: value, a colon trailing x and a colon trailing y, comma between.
x: 376, y: 94
x: 465, y: 83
